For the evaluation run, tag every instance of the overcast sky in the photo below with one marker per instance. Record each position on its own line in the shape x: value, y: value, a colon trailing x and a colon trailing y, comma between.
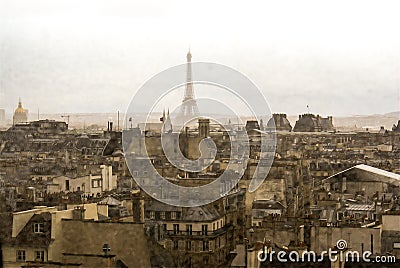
x: 341, y: 58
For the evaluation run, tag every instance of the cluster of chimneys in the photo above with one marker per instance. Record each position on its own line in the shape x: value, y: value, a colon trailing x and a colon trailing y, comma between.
x: 282, y: 115
x: 311, y: 115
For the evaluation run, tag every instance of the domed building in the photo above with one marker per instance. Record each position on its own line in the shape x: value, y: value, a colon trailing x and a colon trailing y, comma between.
x: 20, y: 114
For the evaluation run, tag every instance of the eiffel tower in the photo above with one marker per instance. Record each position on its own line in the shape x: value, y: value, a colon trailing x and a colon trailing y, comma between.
x: 189, y: 107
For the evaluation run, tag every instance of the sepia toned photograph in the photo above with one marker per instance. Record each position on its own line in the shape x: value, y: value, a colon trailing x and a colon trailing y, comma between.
x: 240, y: 134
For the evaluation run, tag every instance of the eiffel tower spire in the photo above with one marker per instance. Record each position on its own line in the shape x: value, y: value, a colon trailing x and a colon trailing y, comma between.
x: 189, y: 107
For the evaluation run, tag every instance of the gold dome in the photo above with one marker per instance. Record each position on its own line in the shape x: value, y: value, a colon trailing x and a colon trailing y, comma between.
x: 19, y: 109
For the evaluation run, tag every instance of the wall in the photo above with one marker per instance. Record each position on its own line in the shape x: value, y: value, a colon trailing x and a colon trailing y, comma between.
x: 10, y: 255
x: 390, y: 234
x: 323, y: 238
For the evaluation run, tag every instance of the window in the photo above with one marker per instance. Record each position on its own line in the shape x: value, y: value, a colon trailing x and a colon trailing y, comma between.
x: 204, y: 229
x: 176, y: 245
x: 176, y: 228
x: 181, y: 245
x: 396, y: 245
x: 38, y: 228
x: 21, y: 255
x: 188, y: 245
x: 39, y: 255
x: 188, y: 229
x: 97, y: 183
x: 66, y: 185
x: 173, y: 215
x: 204, y: 246
x: 205, y: 260
x: 152, y: 215
x: 162, y: 215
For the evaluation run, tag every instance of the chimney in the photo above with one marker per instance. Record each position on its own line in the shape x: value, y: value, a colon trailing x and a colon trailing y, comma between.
x: 138, y: 209
x: 78, y: 213
x: 204, y: 128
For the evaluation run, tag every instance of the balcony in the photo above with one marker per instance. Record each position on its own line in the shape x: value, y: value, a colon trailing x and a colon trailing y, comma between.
x: 197, y: 233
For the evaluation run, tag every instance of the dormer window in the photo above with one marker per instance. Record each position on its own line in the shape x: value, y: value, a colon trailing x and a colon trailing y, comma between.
x: 38, y: 228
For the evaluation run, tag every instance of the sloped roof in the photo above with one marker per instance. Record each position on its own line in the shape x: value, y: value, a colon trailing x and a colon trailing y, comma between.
x: 111, y: 201
x: 387, y: 176
x: 155, y: 205
x: 360, y: 207
x: 267, y: 204
x: 200, y: 214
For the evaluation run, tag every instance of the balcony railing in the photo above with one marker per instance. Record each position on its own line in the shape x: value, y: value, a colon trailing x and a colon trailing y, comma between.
x: 186, y: 233
x: 196, y: 233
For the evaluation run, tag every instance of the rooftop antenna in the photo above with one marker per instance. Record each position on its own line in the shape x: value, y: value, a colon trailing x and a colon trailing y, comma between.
x: 308, y: 109
x: 118, y: 122
x: 66, y: 116
x: 38, y: 113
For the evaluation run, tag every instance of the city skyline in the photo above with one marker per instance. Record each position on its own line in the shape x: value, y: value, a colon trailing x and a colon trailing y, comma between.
x: 207, y: 133
x: 96, y: 62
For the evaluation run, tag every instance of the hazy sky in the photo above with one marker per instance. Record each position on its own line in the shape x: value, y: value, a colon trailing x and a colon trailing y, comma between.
x: 341, y: 58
